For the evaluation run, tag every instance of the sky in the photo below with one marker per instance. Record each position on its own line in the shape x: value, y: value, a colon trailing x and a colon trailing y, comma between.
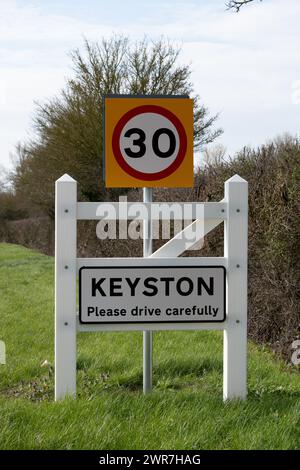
x: 244, y: 66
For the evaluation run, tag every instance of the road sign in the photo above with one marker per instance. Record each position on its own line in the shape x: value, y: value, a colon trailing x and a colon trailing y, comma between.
x: 148, y: 141
x: 152, y: 294
x: 178, y: 286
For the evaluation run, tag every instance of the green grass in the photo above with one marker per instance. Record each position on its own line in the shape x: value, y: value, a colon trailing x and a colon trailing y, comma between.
x: 185, y: 410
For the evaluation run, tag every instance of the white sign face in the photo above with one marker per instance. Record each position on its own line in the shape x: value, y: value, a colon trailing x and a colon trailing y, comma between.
x: 149, y: 142
x: 152, y: 294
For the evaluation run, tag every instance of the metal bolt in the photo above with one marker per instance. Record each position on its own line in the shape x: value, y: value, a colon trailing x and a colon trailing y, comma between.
x: 66, y: 267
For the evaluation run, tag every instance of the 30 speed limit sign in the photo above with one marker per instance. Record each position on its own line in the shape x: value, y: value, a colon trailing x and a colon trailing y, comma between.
x: 148, y: 141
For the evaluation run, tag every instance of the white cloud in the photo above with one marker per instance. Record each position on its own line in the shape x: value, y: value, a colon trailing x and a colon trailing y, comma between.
x: 243, y: 64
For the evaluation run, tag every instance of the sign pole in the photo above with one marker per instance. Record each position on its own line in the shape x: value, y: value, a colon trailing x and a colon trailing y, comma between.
x: 147, y: 335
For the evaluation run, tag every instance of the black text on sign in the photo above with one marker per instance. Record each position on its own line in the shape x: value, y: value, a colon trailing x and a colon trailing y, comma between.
x: 152, y: 294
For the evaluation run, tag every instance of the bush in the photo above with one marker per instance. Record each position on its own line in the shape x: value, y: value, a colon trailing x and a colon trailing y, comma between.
x: 273, y: 174
x: 10, y: 206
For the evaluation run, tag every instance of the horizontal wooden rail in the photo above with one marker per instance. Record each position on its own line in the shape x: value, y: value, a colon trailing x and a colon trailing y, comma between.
x: 149, y: 326
x: 159, y: 210
x: 176, y: 262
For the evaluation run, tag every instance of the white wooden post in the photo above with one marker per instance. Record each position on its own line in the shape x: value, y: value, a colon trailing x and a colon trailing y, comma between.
x: 235, y: 250
x: 65, y: 286
x: 147, y: 335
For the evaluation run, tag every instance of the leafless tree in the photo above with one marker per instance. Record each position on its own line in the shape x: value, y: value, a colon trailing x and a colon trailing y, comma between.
x: 237, y: 5
x: 214, y: 155
x: 69, y: 136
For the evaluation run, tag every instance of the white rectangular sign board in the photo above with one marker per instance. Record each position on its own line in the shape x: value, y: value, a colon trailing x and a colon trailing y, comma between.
x: 152, y: 294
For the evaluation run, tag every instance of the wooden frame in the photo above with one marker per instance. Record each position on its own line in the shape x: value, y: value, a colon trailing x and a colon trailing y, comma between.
x: 232, y: 210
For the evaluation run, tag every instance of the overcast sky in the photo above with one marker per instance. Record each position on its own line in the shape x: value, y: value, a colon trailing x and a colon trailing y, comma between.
x: 245, y: 66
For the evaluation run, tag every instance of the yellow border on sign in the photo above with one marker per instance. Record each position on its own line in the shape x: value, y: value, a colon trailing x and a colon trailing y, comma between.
x: 115, y: 108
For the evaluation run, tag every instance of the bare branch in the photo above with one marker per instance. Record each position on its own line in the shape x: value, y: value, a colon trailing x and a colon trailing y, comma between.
x: 237, y: 5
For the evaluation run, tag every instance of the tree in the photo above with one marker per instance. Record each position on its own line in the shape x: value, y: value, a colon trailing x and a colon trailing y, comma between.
x: 214, y: 155
x: 69, y: 127
x: 237, y: 5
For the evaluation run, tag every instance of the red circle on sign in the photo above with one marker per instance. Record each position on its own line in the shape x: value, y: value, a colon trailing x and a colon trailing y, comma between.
x: 182, y: 142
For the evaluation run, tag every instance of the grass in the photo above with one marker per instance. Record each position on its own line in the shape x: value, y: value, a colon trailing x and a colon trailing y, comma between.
x: 185, y: 410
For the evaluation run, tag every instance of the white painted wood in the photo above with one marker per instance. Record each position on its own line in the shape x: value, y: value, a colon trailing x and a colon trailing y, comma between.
x: 65, y: 287
x: 187, y: 238
x: 150, y: 327
x: 191, y: 261
x: 122, y: 211
x: 194, y: 233
x: 235, y: 249
x: 147, y: 334
x: 233, y: 209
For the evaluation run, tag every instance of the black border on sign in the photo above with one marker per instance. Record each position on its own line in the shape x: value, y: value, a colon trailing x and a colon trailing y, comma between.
x: 115, y: 95
x: 149, y: 322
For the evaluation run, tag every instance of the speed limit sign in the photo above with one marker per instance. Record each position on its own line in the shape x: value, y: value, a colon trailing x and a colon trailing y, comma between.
x: 148, y: 141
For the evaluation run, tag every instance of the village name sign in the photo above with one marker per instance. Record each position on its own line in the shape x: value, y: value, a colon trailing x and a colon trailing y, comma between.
x: 149, y: 143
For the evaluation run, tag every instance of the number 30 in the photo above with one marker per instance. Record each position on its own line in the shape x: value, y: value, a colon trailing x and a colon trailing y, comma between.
x: 140, y: 142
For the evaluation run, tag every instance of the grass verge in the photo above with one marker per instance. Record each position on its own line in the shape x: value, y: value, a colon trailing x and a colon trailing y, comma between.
x: 185, y: 410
